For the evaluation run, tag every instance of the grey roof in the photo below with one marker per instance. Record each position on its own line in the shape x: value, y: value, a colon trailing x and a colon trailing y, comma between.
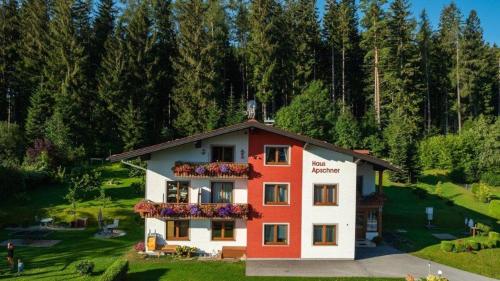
x: 379, y: 163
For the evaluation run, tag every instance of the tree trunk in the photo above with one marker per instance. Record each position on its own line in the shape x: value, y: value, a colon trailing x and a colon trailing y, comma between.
x: 428, y: 109
x: 376, y: 88
x: 333, y: 74
x: 343, y: 78
x: 264, y: 111
x: 459, y: 113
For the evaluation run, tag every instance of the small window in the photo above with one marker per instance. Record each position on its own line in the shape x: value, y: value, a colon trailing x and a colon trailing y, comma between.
x: 277, y: 155
x: 359, y: 185
x: 177, y: 192
x: 325, y: 194
x: 222, y: 154
x: 222, y: 230
x: 276, y: 194
x: 178, y: 230
x: 275, y: 234
x: 325, y: 234
x: 222, y: 192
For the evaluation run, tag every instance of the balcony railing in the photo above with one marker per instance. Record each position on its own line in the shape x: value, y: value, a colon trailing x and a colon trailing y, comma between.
x: 211, y: 170
x: 149, y: 209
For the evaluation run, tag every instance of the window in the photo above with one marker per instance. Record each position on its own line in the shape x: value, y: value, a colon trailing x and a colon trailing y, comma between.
x: 277, y: 155
x: 359, y: 185
x: 178, y: 230
x: 222, y: 154
x: 276, y: 194
x: 222, y: 230
x: 222, y: 192
x: 275, y: 234
x: 325, y: 235
x: 325, y: 194
x: 177, y: 192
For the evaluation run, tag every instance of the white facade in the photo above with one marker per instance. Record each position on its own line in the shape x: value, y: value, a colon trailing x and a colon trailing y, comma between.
x: 343, y: 215
x: 160, y: 171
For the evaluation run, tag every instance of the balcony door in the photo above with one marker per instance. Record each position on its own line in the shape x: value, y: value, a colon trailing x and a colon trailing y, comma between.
x: 222, y: 192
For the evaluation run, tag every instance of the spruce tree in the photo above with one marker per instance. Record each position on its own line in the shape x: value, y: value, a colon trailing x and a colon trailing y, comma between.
x: 263, y: 49
x: 33, y: 49
x: 39, y: 113
x: 332, y: 40
x: 197, y: 78
x: 375, y: 46
x: 9, y: 56
x: 424, y: 39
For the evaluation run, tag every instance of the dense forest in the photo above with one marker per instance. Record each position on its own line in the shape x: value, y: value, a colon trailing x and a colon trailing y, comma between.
x: 83, y: 78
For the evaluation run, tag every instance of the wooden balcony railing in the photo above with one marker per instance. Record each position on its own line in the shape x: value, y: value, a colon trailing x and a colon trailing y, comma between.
x: 211, y: 170
x: 149, y: 209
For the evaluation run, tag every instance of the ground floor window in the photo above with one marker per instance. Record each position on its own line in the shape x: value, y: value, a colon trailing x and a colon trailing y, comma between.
x: 222, y: 230
x: 275, y: 234
x: 178, y: 230
x: 325, y: 234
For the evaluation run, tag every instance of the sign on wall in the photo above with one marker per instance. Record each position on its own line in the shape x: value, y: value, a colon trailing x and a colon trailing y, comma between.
x: 319, y: 167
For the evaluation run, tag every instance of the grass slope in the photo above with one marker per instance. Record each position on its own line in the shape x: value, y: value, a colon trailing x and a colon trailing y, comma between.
x: 405, y: 209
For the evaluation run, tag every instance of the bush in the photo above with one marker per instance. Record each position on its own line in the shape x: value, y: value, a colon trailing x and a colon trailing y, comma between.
x: 11, y: 143
x: 85, y: 267
x: 494, y: 235
x: 88, y: 184
x: 473, y: 245
x: 185, y: 251
x: 11, y: 181
x: 460, y: 246
x: 116, y: 272
x: 491, y: 178
x: 139, y: 187
x: 35, y: 178
x: 490, y: 244
x: 447, y: 246
x: 482, y: 192
x: 494, y: 208
x: 484, y: 229
x: 139, y: 247
x: 457, y: 175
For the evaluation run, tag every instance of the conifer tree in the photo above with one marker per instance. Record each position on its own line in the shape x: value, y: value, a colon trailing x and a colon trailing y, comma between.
x: 374, y: 43
x: 102, y: 29
x: 39, y: 113
x: 424, y: 39
x: 197, y: 78
x: 263, y: 50
x: 304, y: 33
x: 9, y: 56
x: 332, y: 37
x: 32, y: 51
x: 240, y: 35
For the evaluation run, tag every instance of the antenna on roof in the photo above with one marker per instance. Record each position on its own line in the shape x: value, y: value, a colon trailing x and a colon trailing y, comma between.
x: 251, y: 106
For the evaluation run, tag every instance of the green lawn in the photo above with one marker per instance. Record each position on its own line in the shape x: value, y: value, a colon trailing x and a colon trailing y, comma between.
x: 168, y: 269
x: 405, y: 209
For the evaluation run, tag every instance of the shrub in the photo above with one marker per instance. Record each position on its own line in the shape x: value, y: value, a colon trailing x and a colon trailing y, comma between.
x: 185, y: 251
x: 88, y: 184
x: 490, y: 244
x: 482, y: 192
x: 116, y: 272
x: 432, y: 277
x: 85, y: 267
x: 139, y: 187
x: 494, y: 208
x: 11, y: 181
x: 491, y: 178
x: 457, y: 175
x: 11, y: 143
x: 139, y: 247
x: 447, y: 246
x: 473, y: 245
x: 460, y: 246
x: 484, y: 229
x: 494, y: 235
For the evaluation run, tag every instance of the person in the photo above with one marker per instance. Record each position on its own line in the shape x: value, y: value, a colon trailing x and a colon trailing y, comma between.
x: 20, y: 267
x: 10, y: 254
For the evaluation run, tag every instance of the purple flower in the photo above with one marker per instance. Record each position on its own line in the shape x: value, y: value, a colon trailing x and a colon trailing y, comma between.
x: 166, y: 212
x: 194, y: 210
x: 224, y: 168
x: 200, y: 170
x: 224, y: 211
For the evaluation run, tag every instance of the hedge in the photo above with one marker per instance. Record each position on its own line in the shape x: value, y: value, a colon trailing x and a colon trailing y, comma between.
x: 116, y: 272
x: 494, y: 235
x: 460, y: 246
x: 447, y: 246
x: 494, y: 208
x: 473, y: 245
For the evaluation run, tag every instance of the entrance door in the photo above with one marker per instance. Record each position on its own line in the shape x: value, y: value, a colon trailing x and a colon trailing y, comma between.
x: 360, y: 226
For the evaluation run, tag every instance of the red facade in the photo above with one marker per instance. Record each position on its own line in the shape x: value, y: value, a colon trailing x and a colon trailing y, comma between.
x: 289, y: 214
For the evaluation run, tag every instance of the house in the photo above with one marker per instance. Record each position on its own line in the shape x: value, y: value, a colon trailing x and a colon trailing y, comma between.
x: 272, y: 193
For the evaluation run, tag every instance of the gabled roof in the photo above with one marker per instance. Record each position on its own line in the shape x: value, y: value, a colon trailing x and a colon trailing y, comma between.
x: 379, y: 163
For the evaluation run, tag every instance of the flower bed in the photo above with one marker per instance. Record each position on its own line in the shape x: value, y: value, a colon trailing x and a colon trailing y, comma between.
x: 192, y: 211
x: 214, y: 169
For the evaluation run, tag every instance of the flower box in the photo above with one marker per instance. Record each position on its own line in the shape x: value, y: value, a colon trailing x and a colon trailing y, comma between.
x: 149, y: 209
x: 211, y: 170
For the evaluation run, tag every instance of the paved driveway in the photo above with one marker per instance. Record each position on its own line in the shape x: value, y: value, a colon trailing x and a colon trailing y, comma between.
x: 382, y: 261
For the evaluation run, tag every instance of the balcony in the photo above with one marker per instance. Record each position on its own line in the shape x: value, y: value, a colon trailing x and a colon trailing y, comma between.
x: 211, y: 170
x: 149, y: 209
x: 374, y: 200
